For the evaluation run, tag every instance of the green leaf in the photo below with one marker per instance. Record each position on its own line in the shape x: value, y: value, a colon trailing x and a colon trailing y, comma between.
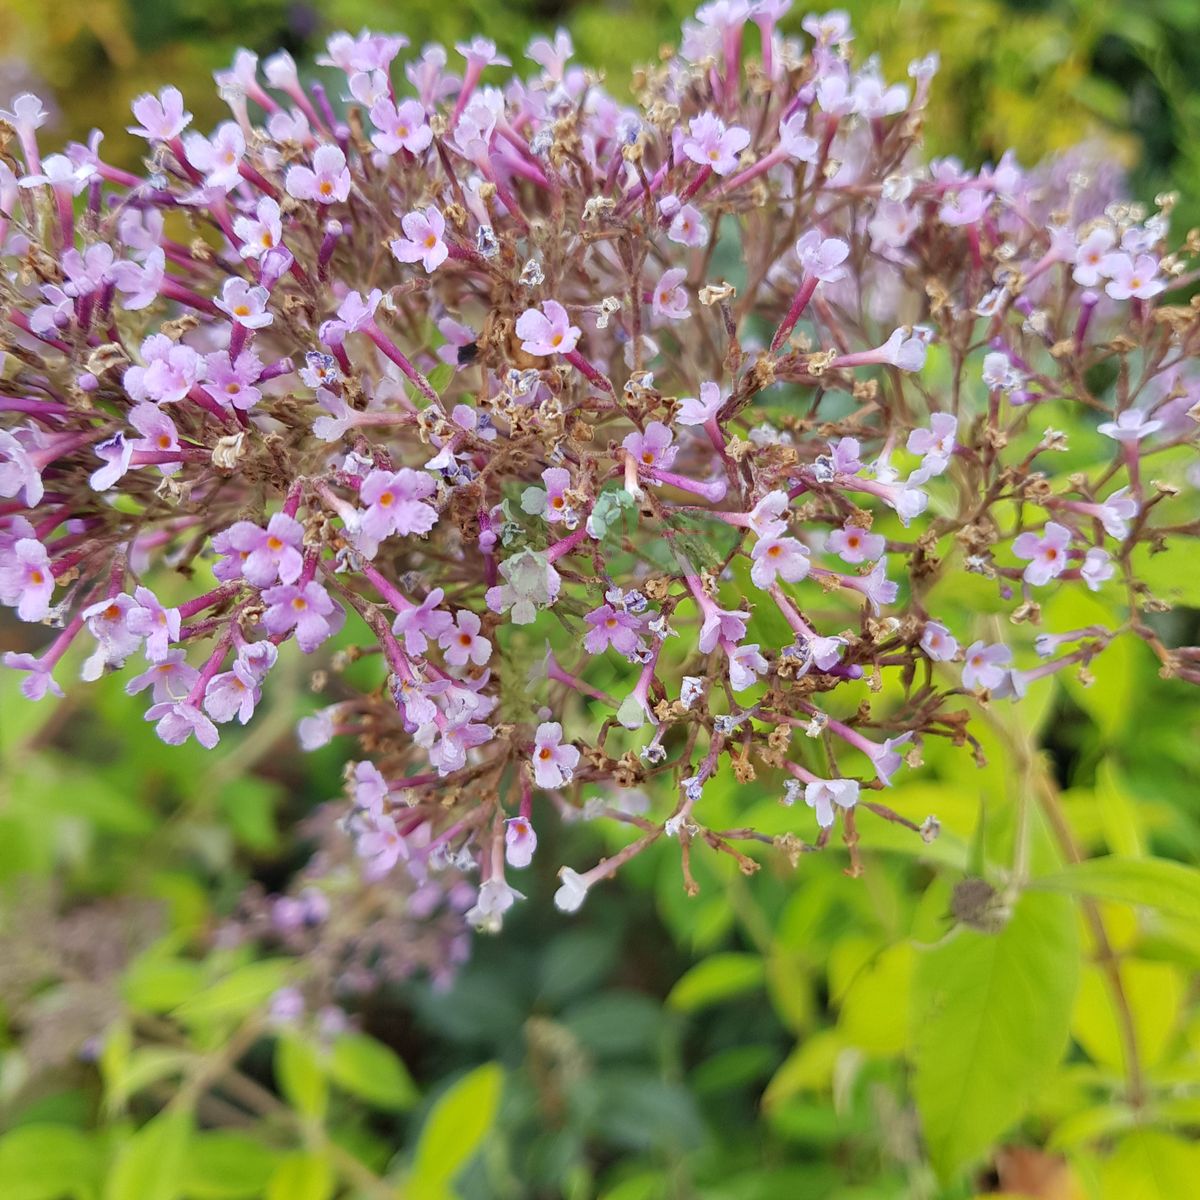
x: 46, y: 1162
x: 301, y: 1075
x: 239, y: 993
x: 716, y: 978
x: 302, y: 1177
x: 1158, y: 883
x: 1149, y: 1165
x: 227, y: 1166
x: 369, y: 1069
x: 149, y: 1164
x: 992, y: 1014
x: 454, y: 1131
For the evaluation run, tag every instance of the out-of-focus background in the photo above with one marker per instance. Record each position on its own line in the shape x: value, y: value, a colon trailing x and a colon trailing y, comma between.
x: 753, y: 1043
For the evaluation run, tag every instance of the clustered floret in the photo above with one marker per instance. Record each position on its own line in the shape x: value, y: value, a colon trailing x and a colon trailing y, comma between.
x: 468, y: 368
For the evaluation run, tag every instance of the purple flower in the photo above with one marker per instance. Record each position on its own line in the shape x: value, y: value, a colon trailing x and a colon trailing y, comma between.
x: 162, y: 117
x: 1132, y: 277
x: 116, y: 454
x: 462, y: 643
x: 246, y: 305
x: 746, y: 664
x: 937, y: 642
x: 1091, y: 255
x: 159, y: 626
x: 547, y: 332
x: 688, y: 227
x: 1130, y: 426
x: 652, y: 448
x: 108, y: 621
x: 1097, y: 568
x: 179, y: 721
x: 262, y: 232
x: 855, y: 545
x: 698, y: 412
x: 402, y: 127
x: 171, y: 371
x: 614, y: 627
x: 822, y: 257
x: 381, y: 847
x: 553, y: 762
x: 1047, y: 554
x: 140, y: 283
x: 394, y: 505
x: 232, y: 693
x: 422, y: 241
x: 778, y: 557
x: 26, y: 579
x: 370, y: 789
x: 18, y: 471
x: 885, y: 758
x: 270, y: 554
x: 936, y: 443
x: 878, y: 589
x: 326, y: 182
x: 172, y: 678
x: 520, y: 842
x: 985, y: 664
x: 669, y: 301
x: 308, y: 610
x: 711, y: 144
x: 423, y: 622
x: 721, y: 625
x: 845, y: 455
x: 231, y: 382
x: 220, y: 158
x: 823, y: 794
x: 39, y: 681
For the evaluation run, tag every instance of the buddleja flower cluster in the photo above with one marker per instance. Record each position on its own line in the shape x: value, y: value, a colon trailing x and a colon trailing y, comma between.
x: 701, y: 393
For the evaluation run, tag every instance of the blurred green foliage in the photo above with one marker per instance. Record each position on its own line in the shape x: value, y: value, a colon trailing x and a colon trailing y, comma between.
x: 931, y: 1030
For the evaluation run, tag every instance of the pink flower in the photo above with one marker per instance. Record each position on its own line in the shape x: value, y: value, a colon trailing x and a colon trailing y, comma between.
x: 162, y: 117
x: 614, y: 627
x: 652, y: 448
x: 179, y: 721
x: 424, y: 621
x: 327, y: 181
x: 308, y: 610
x: 1047, y: 554
x: 856, y: 545
x: 984, y: 666
x: 746, y: 664
x: 547, y: 332
x: 698, y: 412
x: 778, y: 557
x: 767, y: 519
x: 159, y: 626
x: 422, y: 241
x: 462, y: 642
x: 245, y: 304
x: 400, y: 127
x: 553, y: 762
x: 393, y: 500
x: 822, y: 257
x: 1132, y: 277
x: 937, y: 642
x: 968, y: 206
x: 520, y: 841
x: 140, y: 283
x: 262, y: 232
x: 26, y: 579
x: 710, y: 144
x: 669, y: 301
x: 108, y: 622
x: 823, y: 794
